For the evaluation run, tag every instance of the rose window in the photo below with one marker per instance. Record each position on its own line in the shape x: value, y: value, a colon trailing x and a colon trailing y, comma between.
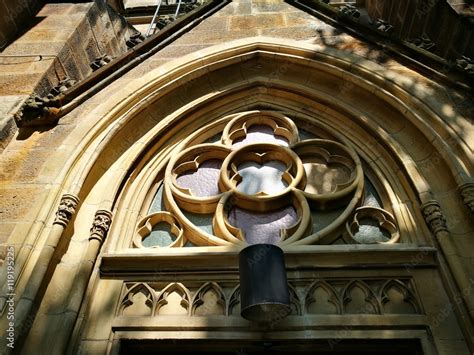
x: 265, y: 182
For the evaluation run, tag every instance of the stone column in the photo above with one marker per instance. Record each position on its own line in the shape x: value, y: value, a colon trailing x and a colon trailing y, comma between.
x: 24, y: 307
x: 437, y: 223
x: 98, y: 233
x: 467, y: 193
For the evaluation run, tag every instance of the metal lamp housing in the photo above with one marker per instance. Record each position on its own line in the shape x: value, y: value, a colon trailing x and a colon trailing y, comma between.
x: 264, y: 294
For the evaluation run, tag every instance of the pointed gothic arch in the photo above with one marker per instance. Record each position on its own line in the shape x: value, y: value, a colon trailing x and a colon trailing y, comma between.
x: 117, y: 158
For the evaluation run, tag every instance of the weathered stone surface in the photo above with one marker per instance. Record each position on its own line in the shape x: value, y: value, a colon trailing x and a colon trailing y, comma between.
x: 19, y: 84
x: 344, y: 93
x: 15, y: 202
x: 238, y: 23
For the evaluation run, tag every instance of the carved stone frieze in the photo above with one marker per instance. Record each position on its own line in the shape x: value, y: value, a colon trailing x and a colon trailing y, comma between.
x: 313, y: 297
x: 434, y: 217
x: 101, y: 225
x: 67, y: 207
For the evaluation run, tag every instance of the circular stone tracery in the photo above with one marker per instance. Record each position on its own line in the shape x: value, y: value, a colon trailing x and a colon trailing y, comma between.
x: 263, y: 227
x: 263, y: 178
x: 169, y: 236
x: 255, y: 198
x: 262, y: 192
x: 193, y: 177
x: 259, y: 127
x: 333, y: 172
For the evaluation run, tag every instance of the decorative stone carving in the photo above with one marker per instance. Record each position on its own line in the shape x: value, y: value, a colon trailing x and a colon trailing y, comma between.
x: 173, y: 299
x: 371, y: 225
x: 233, y: 179
x: 67, y: 207
x: 321, y: 297
x: 234, y: 302
x: 62, y: 86
x: 295, y: 303
x: 259, y: 170
x: 350, y: 10
x: 425, y: 43
x: 434, y: 217
x: 268, y: 127
x: 209, y: 300
x: 187, y: 7
x: 358, y: 298
x: 383, y: 26
x: 138, y: 301
x: 465, y: 64
x: 99, y: 62
x: 467, y: 193
x: 135, y: 39
x: 397, y: 298
x: 147, y: 226
x: 163, y: 21
x: 333, y: 172
x: 101, y: 225
x: 194, y: 194
x: 38, y: 111
x: 42, y: 110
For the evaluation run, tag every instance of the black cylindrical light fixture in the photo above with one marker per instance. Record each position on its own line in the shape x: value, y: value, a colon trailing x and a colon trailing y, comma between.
x: 264, y: 294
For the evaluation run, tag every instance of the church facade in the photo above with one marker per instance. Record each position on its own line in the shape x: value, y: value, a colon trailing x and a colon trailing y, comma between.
x: 138, y: 161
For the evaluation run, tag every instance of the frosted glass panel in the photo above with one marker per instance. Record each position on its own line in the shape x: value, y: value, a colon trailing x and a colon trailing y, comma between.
x: 157, y: 204
x: 369, y: 232
x: 262, y: 178
x: 262, y: 227
x: 324, y: 178
x: 202, y: 182
x: 159, y: 236
x: 322, y: 219
x: 259, y: 134
x: 372, y: 198
x: 202, y: 221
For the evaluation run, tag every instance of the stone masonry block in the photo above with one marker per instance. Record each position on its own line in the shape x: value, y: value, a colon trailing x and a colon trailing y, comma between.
x: 238, y: 23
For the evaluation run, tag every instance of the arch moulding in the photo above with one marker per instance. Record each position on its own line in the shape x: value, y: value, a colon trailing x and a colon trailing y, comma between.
x: 392, y: 122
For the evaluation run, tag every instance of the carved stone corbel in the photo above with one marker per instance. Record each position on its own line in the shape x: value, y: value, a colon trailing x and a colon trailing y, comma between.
x: 99, y: 62
x: 67, y: 207
x: 465, y: 64
x: 425, y: 43
x: 467, y: 193
x: 38, y: 111
x: 101, y: 225
x: 434, y: 217
x: 134, y: 39
x: 350, y: 10
x: 383, y: 26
